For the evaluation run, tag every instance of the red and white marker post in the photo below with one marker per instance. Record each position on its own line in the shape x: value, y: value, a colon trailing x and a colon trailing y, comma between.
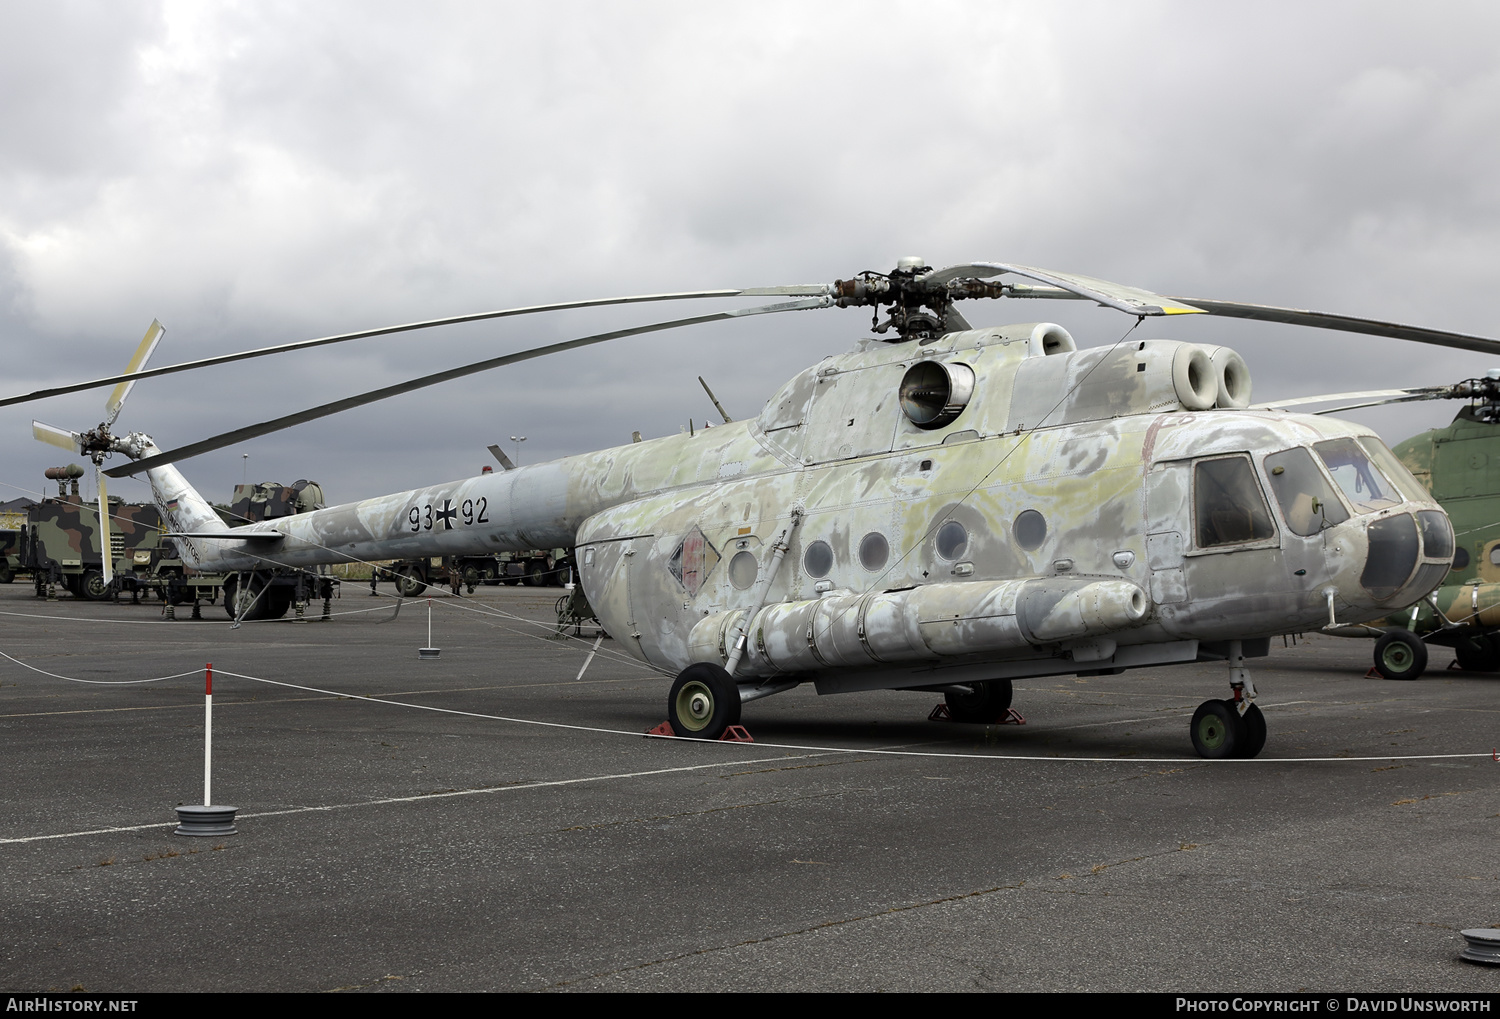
x: 208, y: 732
x: 207, y: 819
x: 429, y: 652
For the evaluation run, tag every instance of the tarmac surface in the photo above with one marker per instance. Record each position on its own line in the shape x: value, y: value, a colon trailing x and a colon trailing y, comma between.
x: 383, y: 847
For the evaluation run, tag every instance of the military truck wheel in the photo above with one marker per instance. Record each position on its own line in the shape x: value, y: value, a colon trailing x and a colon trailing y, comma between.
x: 6, y: 573
x: 1216, y: 730
x: 1400, y: 654
x: 988, y: 703
x: 704, y: 701
x: 1477, y: 654
x: 93, y: 586
x: 240, y: 601
x: 1254, y: 732
x: 278, y: 600
x: 408, y: 585
x: 536, y: 574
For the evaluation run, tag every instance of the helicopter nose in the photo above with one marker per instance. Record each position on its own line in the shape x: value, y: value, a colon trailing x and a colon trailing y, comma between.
x: 1392, y: 555
x: 1408, y: 555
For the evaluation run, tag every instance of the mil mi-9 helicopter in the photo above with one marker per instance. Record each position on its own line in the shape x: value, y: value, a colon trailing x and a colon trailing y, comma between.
x: 1459, y: 464
x: 941, y: 508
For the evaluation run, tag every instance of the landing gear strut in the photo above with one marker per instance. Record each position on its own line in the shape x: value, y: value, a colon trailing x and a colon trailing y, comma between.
x: 1230, y: 728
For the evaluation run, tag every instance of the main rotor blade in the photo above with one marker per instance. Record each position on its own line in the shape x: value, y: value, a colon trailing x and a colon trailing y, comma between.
x: 59, y: 437
x: 137, y: 362
x: 287, y: 421
x: 1301, y: 317
x: 1426, y: 393
x: 793, y: 290
x: 1131, y: 300
x: 1346, y: 323
x: 1377, y: 403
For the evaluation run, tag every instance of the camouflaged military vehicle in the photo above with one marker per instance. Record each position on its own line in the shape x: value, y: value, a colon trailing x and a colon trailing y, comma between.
x: 60, y: 544
x: 268, y: 592
x: 550, y: 567
x: 12, y: 523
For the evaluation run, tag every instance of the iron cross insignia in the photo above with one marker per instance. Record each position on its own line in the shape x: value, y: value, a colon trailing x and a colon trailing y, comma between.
x: 446, y: 514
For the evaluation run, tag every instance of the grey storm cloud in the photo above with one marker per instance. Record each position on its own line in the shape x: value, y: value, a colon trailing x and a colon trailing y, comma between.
x: 261, y: 173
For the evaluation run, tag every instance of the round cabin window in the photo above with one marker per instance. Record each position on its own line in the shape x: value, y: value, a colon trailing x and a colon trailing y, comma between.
x: 874, y: 550
x: 952, y: 540
x: 818, y: 559
x: 1031, y: 529
x: 743, y: 569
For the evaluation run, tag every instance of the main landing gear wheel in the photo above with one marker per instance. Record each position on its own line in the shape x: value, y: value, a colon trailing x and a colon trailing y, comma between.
x: 1400, y: 654
x: 1220, y: 731
x: 1216, y: 729
x: 1253, y: 732
x: 1477, y: 654
x: 988, y: 702
x: 704, y: 701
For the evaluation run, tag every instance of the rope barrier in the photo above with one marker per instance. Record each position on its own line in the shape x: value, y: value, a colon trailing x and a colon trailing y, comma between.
x: 887, y: 752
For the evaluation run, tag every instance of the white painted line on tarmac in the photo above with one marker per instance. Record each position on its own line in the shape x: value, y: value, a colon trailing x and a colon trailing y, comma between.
x: 447, y: 794
x: 1156, y: 718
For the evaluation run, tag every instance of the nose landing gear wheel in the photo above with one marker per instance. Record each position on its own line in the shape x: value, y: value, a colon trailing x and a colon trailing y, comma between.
x: 704, y: 702
x: 1400, y: 654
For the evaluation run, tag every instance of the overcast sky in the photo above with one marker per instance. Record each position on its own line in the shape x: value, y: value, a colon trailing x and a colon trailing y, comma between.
x: 258, y: 173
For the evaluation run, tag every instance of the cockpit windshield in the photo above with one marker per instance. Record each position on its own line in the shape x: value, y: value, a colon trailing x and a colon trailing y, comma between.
x: 1394, y: 469
x: 1308, y: 502
x: 1360, y: 481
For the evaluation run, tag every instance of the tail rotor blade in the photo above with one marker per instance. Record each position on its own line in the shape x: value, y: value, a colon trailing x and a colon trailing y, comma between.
x: 106, y: 547
x: 59, y: 437
x: 137, y: 362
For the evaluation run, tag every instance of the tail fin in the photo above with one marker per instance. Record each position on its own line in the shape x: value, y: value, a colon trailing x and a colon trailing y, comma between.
x: 181, y: 507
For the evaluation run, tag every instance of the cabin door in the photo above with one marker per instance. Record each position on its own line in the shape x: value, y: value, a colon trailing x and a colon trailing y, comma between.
x: 1168, y: 519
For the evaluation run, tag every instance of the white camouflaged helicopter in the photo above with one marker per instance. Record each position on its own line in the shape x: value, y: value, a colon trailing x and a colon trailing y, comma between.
x: 941, y: 508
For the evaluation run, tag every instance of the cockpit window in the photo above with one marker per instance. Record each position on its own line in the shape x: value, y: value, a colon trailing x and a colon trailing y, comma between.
x: 1228, y: 506
x: 1308, y: 502
x: 1394, y: 469
x: 1364, y: 486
